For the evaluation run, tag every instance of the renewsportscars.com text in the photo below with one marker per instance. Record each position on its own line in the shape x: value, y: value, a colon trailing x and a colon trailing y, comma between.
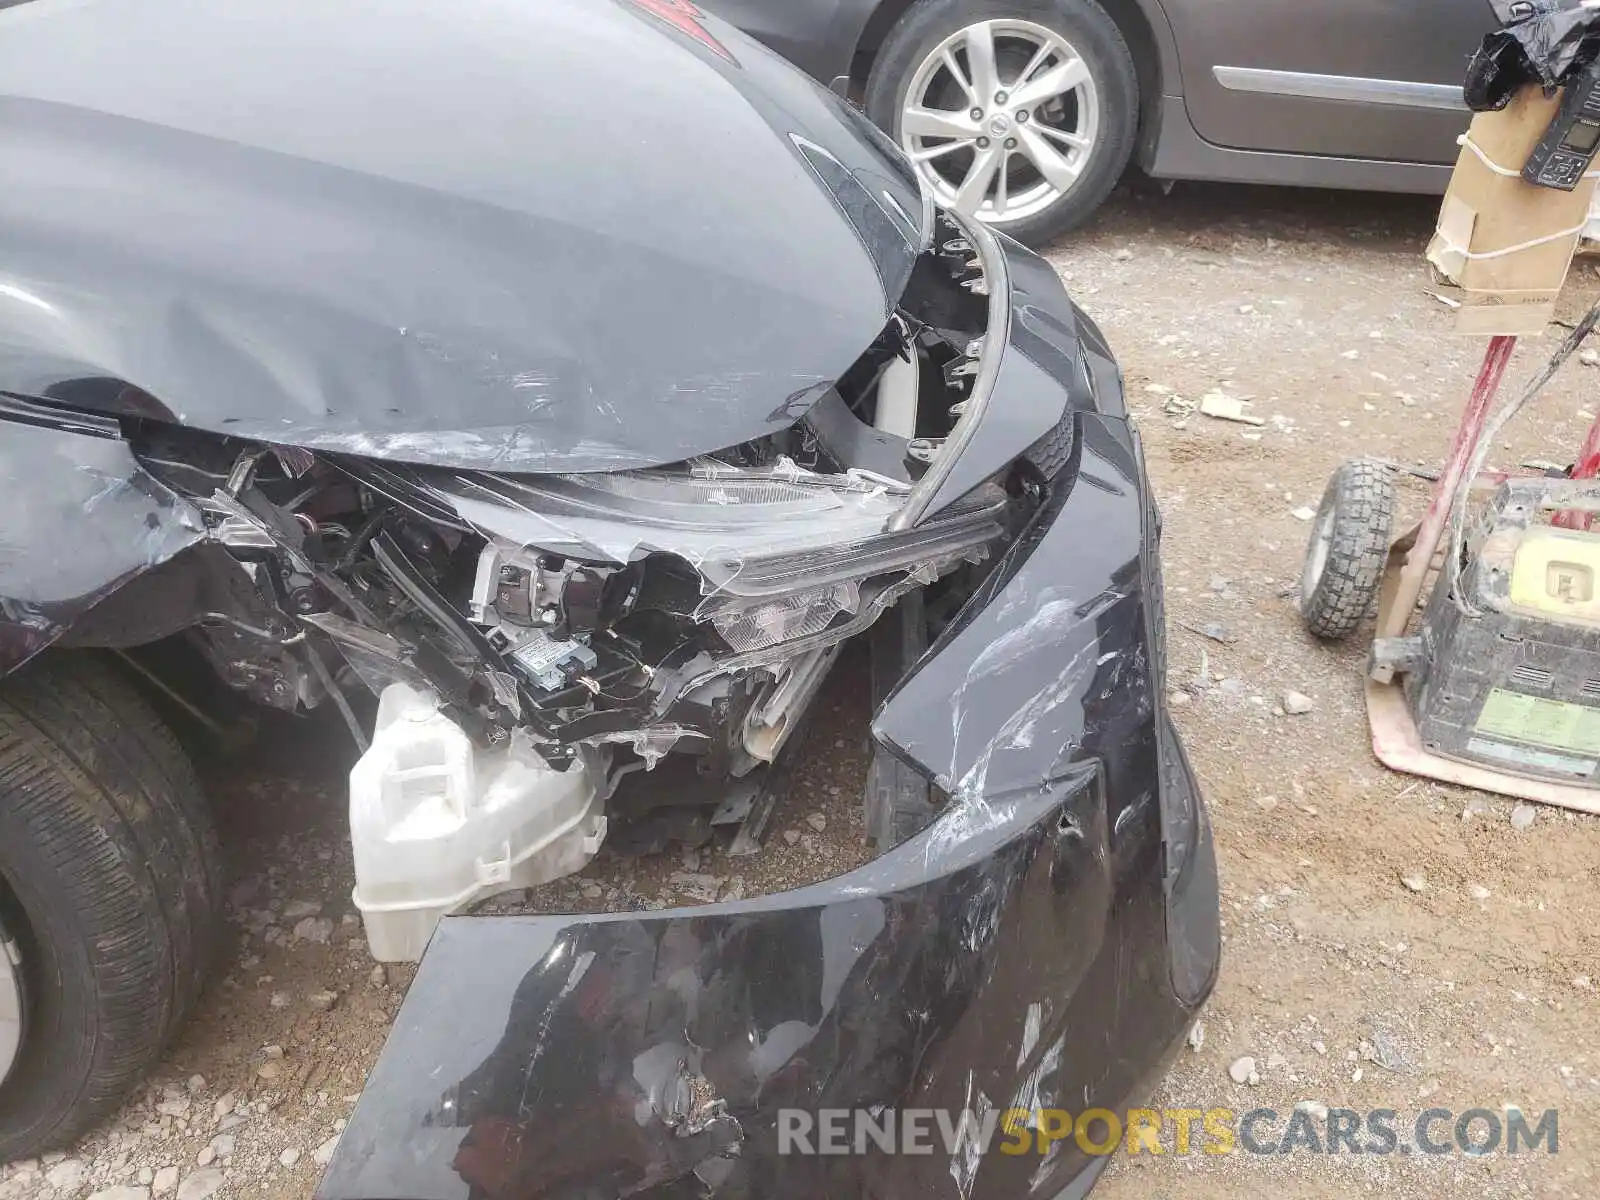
x: 1306, y: 1129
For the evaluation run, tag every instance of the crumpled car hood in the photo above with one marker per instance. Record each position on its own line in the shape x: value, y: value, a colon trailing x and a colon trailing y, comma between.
x: 563, y: 235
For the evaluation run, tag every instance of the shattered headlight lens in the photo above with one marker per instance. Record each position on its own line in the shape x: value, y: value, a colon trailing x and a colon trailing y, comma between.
x: 781, y: 551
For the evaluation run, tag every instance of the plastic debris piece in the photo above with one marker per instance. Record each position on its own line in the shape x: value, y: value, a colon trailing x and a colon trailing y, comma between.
x: 1227, y: 408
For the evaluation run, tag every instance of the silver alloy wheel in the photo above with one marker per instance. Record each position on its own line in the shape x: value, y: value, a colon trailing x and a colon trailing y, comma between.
x: 10, y: 1002
x: 1000, y: 119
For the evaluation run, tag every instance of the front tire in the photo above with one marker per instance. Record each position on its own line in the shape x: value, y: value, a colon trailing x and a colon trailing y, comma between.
x: 109, y: 895
x: 1040, y: 97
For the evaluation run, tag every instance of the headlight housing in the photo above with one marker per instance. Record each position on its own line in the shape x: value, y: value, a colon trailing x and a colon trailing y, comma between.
x: 780, y: 551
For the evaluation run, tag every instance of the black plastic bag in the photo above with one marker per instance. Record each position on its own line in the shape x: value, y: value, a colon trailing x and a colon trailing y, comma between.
x: 1540, y: 41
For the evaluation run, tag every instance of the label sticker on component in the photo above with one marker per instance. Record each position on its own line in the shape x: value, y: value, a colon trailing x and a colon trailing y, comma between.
x: 1524, y: 718
x: 1527, y: 756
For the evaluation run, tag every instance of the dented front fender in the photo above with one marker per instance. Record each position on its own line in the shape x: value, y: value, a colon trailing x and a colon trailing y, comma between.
x: 82, y: 519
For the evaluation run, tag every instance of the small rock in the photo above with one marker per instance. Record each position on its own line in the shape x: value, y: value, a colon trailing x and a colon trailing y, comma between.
x: 124, y: 1191
x: 1275, y: 1061
x: 231, y: 1121
x: 1383, y: 1051
x: 1303, y: 513
x: 289, y: 1157
x: 1219, y: 583
x: 591, y: 890
x: 201, y: 1185
x: 323, y: 1001
x: 1320, y: 1047
x: 1478, y: 891
x: 67, y: 1175
x: 1197, y: 1036
x: 280, y: 1000
x: 222, y: 1145
x: 323, y: 1154
x: 224, y: 1105
x: 313, y: 929
x: 165, y: 1179
x: 177, y: 1106
x: 1427, y: 1089
x: 297, y: 910
x: 817, y: 821
x: 1522, y: 816
x: 197, y: 1083
x: 146, y: 1176
x: 272, y: 1051
x: 1243, y: 1070
x: 378, y: 977
x: 1178, y: 698
x: 1267, y: 802
x: 1123, y: 255
x: 1589, y: 358
x: 1297, y: 704
x: 1351, y: 354
x: 1415, y: 882
x: 1316, y: 1108
x: 791, y: 836
x: 270, y: 1069
x: 1355, y: 1076
x: 206, y: 1157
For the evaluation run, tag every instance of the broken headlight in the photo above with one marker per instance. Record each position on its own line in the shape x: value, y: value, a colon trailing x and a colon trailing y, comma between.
x: 783, y: 556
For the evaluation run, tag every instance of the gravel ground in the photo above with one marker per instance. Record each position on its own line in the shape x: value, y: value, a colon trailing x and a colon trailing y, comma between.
x: 1468, y: 986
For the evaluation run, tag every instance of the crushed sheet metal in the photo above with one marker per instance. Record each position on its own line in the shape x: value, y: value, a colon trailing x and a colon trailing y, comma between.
x: 86, y: 493
x: 410, y: 288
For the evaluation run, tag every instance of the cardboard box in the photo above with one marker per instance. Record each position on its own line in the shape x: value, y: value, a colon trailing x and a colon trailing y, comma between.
x: 1505, y: 243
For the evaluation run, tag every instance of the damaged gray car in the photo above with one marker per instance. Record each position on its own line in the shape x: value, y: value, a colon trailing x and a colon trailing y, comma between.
x: 414, y: 368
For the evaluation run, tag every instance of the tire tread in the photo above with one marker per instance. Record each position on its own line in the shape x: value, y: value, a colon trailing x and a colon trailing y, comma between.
x: 1362, y: 495
x: 106, y: 841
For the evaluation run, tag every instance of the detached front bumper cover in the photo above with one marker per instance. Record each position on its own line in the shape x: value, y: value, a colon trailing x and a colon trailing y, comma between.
x: 1042, y: 944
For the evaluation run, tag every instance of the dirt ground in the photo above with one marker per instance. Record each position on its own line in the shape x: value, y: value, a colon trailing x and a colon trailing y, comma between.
x: 1345, y: 984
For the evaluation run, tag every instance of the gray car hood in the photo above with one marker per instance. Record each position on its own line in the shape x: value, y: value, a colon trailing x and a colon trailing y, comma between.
x: 524, y: 235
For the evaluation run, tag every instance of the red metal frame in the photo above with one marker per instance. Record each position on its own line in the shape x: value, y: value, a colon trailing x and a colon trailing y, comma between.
x: 1393, y: 622
x: 1587, y: 467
